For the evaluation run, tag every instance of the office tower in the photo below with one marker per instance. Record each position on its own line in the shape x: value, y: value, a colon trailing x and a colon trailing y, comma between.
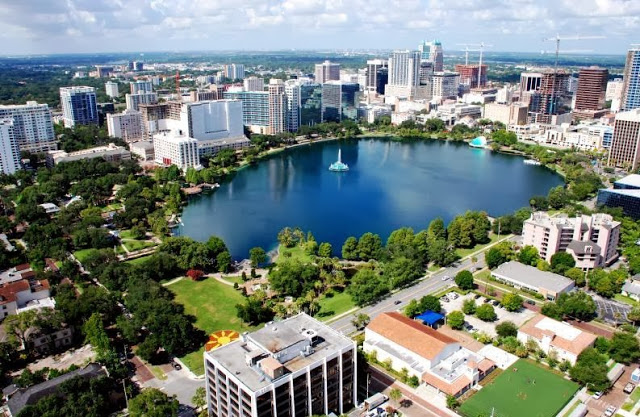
x: 78, y: 106
x: 134, y: 100
x: 111, y: 89
x: 103, y: 71
x: 234, y: 71
x: 377, y: 75
x: 130, y: 65
x: 404, y: 74
x: 9, y: 149
x: 126, y: 125
x: 103, y: 110
x: 625, y: 146
x: 445, y: 84
x: 469, y: 74
x: 138, y: 66
x: 310, y: 104
x: 631, y: 88
x: 292, y: 89
x: 141, y: 86
x: 295, y: 367
x: 339, y: 101
x: 204, y: 95
x: 432, y: 52
x: 253, y: 84
x: 592, y: 86
x: 32, y: 126
x: 277, y: 100
x: 327, y: 71
x: 255, y: 108
x: 529, y: 85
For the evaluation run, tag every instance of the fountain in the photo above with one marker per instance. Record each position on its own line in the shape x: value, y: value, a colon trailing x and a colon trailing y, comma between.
x: 339, y: 166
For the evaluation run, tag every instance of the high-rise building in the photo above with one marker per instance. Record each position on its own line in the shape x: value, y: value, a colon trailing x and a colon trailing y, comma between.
x: 631, y: 88
x: 614, y: 94
x: 432, y: 52
x: 292, y: 90
x: 103, y: 70
x: 377, y: 75
x: 79, y: 106
x: 339, y: 101
x: 134, y: 100
x: 294, y: 367
x: 253, y: 84
x: 138, y: 66
x: 141, y: 86
x: 327, y: 71
x: 126, y: 125
x: 9, y: 149
x: 469, y: 74
x: 310, y: 104
x: 550, y: 99
x: 529, y: 85
x: 277, y: 100
x: 111, y: 89
x: 404, y: 74
x: 32, y: 126
x: 445, y: 84
x: 592, y: 86
x: 176, y: 148
x: 625, y: 146
x: 234, y: 71
x: 255, y: 108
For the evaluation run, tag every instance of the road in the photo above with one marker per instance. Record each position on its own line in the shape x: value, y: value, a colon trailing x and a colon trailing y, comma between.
x: 427, y: 285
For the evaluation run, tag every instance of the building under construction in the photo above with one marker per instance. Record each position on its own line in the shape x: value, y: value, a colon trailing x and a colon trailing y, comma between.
x: 469, y: 74
x: 551, y: 98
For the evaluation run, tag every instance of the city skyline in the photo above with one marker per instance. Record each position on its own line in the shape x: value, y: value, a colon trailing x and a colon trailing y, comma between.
x: 83, y: 26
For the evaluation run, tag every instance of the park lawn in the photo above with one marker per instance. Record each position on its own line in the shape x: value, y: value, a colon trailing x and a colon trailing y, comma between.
x: 493, y: 238
x: 137, y: 261
x: 234, y: 279
x: 297, y: 252
x: 81, y: 255
x: 339, y: 303
x: 214, y: 306
x: 626, y: 300
x: 531, y: 391
x: 134, y: 245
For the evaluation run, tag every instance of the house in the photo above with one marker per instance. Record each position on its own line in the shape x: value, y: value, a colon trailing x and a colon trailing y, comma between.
x: 519, y: 275
x: 551, y: 335
x: 50, y: 208
x: 19, y: 289
x: 44, y: 342
x: 631, y: 289
x: 437, y: 359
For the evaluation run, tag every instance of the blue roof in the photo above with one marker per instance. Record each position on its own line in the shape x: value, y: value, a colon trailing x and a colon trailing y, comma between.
x: 430, y: 317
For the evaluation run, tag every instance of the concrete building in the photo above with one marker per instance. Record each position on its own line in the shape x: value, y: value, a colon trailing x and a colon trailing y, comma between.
x: 508, y: 114
x: 372, y: 112
x: 404, y: 75
x: 339, y: 101
x: 551, y: 235
x: 432, y: 52
x: 141, y: 86
x: 103, y: 71
x: 126, y: 125
x: 625, y: 147
x: 327, y: 71
x: 585, y: 137
x: 631, y: 87
x: 19, y: 290
x: 138, y: 66
x: 135, y: 100
x: 437, y: 359
x: 45, y: 341
x: 566, y: 341
x: 551, y: 99
x: 111, y: 89
x: 518, y: 275
x: 234, y: 71
x: 377, y: 75
x: 445, y: 85
x: 176, y: 148
x: 277, y: 107
x: 78, y: 106
x: 253, y: 84
x: 529, y: 84
x: 292, y: 91
x: 614, y: 94
x: 207, y: 95
x: 9, y: 149
x: 450, y: 113
x: 295, y: 367
x: 255, y: 108
x: 143, y: 150
x: 625, y: 194
x: 110, y: 153
x: 472, y: 75
x: 32, y: 126
x: 592, y: 86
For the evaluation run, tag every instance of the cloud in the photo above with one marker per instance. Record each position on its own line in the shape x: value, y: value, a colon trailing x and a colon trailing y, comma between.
x: 42, y: 26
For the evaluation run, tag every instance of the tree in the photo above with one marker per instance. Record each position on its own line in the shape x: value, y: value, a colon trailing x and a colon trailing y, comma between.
x: 576, y: 275
x: 552, y: 310
x: 561, y: 262
x: 367, y: 286
x: 199, y: 399
x: 395, y: 394
x: 360, y: 321
x: 369, y: 246
x: 464, y: 280
x: 430, y: 302
x: 258, y: 256
x: 18, y: 324
x: 469, y: 306
x: 436, y: 229
x: 591, y: 370
x: 499, y: 254
x: 350, y: 248
x: 485, y: 312
x: 577, y: 304
x: 413, y: 308
x: 401, y: 271
x: 152, y: 402
x: 223, y: 260
x: 195, y: 274
x: 528, y: 255
x: 94, y: 331
x: 624, y: 348
x: 506, y: 329
x: 325, y: 250
x: 511, y: 301
x: 634, y: 315
x: 254, y: 311
x: 441, y: 252
x: 455, y: 320
x: 452, y: 402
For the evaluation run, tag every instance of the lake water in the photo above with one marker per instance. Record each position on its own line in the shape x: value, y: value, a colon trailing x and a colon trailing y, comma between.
x: 389, y: 185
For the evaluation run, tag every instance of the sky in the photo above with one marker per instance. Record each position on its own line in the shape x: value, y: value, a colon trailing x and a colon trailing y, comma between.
x: 86, y: 26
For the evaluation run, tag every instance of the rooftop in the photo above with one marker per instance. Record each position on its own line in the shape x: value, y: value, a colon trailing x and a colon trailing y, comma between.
x: 564, y: 335
x: 296, y: 343
x: 515, y: 271
x: 631, y: 288
x: 579, y: 247
x: 632, y: 180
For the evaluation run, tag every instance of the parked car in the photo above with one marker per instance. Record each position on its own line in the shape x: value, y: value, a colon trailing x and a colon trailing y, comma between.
x: 495, y: 302
x: 397, y: 302
x: 628, y: 389
x: 597, y: 395
x: 530, y: 302
x: 446, y: 277
x: 176, y: 365
x: 477, y: 296
x: 445, y: 299
x: 610, y: 410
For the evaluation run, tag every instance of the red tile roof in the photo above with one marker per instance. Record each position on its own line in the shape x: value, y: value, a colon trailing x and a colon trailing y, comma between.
x: 452, y: 389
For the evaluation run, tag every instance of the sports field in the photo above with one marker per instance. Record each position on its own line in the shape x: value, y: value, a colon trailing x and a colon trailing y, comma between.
x: 523, y: 390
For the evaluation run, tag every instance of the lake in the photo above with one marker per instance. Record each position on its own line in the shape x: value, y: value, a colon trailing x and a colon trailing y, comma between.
x: 389, y: 185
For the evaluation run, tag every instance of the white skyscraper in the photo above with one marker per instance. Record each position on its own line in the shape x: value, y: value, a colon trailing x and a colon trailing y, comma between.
x: 126, y: 125
x: 79, y: 106
x: 32, y: 127
x: 134, y: 100
x: 141, y: 86
x: 9, y: 150
x: 292, y: 108
x: 277, y: 112
x: 234, y: 71
x: 253, y: 84
x: 404, y: 74
x: 111, y: 89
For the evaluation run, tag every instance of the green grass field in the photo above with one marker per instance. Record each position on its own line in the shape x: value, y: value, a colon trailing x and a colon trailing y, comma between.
x: 493, y: 238
x: 532, y: 391
x: 213, y: 305
x: 137, y: 261
x: 296, y: 252
x: 134, y: 245
x: 332, y: 306
x: 81, y: 255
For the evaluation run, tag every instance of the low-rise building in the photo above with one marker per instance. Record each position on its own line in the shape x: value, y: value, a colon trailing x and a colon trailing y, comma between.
x: 45, y: 342
x: 624, y: 194
x: 110, y: 153
x: 175, y: 148
x: 20, y: 290
x: 551, y: 335
x: 508, y: 114
x: 631, y: 289
x: 519, y: 275
x: 142, y: 149
x: 437, y: 359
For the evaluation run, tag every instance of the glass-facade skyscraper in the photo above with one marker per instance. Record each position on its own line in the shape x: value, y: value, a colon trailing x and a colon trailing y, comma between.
x: 79, y: 106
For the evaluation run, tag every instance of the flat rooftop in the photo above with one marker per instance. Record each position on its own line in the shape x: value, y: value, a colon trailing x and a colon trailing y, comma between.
x: 274, y: 338
x: 515, y: 271
x: 632, y: 180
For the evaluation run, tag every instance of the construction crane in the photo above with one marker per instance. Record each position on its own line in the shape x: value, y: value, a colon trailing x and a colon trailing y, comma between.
x: 480, y: 48
x: 178, y: 85
x: 559, y: 38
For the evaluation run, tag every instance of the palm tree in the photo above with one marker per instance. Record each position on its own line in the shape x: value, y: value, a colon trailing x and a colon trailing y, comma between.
x: 395, y: 394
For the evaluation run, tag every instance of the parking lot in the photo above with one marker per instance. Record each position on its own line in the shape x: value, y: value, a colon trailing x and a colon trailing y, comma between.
x: 610, y: 310
x: 518, y: 318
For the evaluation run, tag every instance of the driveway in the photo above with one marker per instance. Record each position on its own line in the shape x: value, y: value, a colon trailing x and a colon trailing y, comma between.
x: 179, y: 383
x: 609, y: 309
